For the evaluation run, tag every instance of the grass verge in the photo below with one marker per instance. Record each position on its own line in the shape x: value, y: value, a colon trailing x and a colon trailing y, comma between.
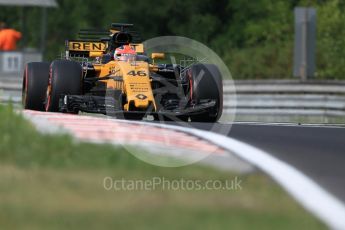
x: 52, y: 182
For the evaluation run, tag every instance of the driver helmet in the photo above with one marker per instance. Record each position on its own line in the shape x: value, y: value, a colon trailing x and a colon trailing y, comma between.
x: 125, y: 53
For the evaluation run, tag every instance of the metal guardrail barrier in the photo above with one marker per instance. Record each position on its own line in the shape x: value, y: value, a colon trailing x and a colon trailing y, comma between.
x: 287, y: 89
x: 280, y: 100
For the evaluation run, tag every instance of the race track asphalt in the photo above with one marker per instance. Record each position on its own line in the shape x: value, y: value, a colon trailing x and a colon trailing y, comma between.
x: 318, y: 152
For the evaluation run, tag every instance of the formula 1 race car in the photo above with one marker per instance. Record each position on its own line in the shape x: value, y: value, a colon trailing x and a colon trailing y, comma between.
x: 108, y: 72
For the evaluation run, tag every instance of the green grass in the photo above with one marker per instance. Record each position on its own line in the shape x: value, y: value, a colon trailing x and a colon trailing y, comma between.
x: 53, y: 182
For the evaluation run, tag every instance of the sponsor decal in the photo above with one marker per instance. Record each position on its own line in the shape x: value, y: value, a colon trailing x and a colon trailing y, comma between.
x: 86, y: 46
x: 141, y: 96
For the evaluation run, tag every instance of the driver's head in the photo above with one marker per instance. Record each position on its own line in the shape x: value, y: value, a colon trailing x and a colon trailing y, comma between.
x: 125, y: 53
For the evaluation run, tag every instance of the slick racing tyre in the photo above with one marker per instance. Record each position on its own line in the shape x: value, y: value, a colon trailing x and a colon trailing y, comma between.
x: 65, y: 79
x: 206, y: 86
x: 35, y: 81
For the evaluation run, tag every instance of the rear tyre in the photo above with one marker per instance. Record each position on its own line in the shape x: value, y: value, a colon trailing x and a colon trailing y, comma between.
x: 207, y: 85
x: 35, y: 82
x: 65, y: 79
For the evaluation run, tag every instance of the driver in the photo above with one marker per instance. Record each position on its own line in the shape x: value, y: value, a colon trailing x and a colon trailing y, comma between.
x: 125, y: 53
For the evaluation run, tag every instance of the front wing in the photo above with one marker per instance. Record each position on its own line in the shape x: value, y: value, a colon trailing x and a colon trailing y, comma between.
x: 110, y: 106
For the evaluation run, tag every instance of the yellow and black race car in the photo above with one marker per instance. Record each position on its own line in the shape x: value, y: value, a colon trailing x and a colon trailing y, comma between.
x: 108, y: 72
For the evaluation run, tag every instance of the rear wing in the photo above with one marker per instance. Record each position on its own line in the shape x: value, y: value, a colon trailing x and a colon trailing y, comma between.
x: 82, y: 48
x: 93, y: 41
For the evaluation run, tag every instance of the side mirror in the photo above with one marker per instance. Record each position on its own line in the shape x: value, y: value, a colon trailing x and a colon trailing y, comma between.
x: 157, y: 56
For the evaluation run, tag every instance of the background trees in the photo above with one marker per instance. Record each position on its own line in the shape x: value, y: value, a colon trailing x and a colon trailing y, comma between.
x: 254, y: 38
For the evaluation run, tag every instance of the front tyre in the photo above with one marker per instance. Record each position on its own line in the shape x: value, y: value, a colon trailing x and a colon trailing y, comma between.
x: 35, y: 82
x: 206, y: 86
x: 65, y: 79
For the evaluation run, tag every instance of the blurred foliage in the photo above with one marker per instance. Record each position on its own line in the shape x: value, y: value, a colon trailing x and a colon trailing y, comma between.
x: 254, y: 38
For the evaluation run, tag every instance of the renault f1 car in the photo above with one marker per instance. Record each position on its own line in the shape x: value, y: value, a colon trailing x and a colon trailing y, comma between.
x: 108, y: 72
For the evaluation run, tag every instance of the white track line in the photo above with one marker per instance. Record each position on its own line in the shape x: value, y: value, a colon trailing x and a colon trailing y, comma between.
x: 289, y: 124
x: 314, y: 198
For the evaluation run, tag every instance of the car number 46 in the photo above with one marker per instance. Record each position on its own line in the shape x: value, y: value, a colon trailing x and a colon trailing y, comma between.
x: 137, y: 73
